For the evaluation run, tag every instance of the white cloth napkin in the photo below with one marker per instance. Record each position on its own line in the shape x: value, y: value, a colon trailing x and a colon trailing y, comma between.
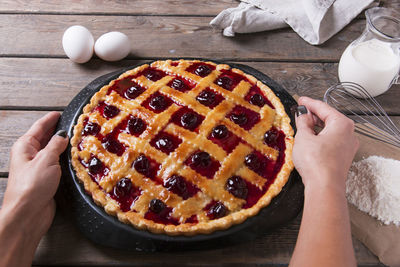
x: 314, y: 20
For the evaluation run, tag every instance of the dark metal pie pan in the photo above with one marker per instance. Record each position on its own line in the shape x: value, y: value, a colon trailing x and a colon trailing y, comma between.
x: 106, y: 230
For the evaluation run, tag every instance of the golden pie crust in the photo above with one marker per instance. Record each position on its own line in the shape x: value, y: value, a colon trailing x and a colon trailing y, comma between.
x: 210, y: 189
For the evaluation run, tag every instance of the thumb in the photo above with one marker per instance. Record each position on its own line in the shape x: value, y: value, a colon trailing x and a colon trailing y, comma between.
x: 304, y: 120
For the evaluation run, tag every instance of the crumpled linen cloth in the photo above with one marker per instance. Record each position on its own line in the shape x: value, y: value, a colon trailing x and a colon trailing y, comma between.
x: 314, y: 20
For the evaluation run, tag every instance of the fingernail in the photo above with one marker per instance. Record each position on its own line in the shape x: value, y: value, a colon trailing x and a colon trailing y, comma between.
x: 300, y: 110
x: 62, y: 133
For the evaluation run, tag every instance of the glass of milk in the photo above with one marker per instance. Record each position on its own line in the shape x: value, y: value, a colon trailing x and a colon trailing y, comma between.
x: 373, y: 59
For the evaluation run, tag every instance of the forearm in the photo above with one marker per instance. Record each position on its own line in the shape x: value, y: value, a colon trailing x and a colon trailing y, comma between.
x: 17, y: 244
x: 325, y: 237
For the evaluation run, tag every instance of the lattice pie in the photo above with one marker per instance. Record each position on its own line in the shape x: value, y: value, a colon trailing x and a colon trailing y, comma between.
x: 183, y: 147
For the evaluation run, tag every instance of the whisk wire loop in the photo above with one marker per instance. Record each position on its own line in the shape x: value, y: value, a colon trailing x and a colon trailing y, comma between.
x: 369, y: 116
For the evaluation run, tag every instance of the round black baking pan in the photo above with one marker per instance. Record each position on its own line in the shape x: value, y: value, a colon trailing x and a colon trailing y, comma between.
x: 106, y: 230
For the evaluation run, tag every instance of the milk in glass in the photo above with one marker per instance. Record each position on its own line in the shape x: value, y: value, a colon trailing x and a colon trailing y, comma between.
x: 373, y: 59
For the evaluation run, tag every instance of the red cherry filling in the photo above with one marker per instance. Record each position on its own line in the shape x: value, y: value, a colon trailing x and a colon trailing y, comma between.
x: 257, y: 100
x: 127, y: 88
x: 165, y: 142
x: 261, y: 165
x: 228, y: 80
x: 136, y: 126
x: 96, y: 166
x: 219, y: 132
x: 237, y: 187
x: 201, y: 159
x: 209, y: 98
x: 216, y: 210
x: 270, y: 137
x: 224, y: 138
x: 110, y: 111
x: 275, y: 138
x: 133, y: 92
x: 125, y: 194
x: 253, y: 162
x: 123, y: 187
x: 142, y: 165
x: 112, y: 145
x: 90, y: 128
x: 146, y: 166
x: 187, y: 118
x: 153, y: 74
x: 202, y: 163
x: 157, y: 102
x: 225, y: 82
x: 201, y: 69
x: 180, y: 84
x: 244, y: 117
x: 160, y: 213
x: 179, y: 186
x: 256, y: 97
x: 96, y: 169
x: 192, y: 219
x: 107, y: 111
x: 254, y: 194
x: 278, y: 144
x: 157, y: 206
x: 239, y: 118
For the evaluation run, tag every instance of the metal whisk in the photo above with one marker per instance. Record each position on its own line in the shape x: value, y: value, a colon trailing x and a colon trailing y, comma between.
x: 370, y: 118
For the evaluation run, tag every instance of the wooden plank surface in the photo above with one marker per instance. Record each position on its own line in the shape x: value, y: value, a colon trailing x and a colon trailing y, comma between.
x: 142, y: 7
x: 131, y: 7
x: 52, y: 83
x: 65, y: 245
x: 164, y: 37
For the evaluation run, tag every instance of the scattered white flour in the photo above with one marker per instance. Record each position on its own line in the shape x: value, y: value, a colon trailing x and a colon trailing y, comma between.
x: 373, y: 185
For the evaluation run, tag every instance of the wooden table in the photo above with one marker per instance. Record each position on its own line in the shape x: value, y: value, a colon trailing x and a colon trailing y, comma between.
x: 37, y: 78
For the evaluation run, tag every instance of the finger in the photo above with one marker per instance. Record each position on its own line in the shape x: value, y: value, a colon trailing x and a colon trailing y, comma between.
x: 304, y: 121
x: 43, y: 129
x: 322, y: 110
x: 57, y: 144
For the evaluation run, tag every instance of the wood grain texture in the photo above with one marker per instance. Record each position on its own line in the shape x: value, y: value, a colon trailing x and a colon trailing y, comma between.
x: 65, y: 245
x: 129, y: 7
x: 155, y: 37
x: 52, y: 83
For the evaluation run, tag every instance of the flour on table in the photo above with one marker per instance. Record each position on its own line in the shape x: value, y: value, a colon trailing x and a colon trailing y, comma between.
x: 373, y: 186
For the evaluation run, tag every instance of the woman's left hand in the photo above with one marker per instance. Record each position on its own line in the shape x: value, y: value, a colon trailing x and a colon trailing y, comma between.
x: 28, y: 206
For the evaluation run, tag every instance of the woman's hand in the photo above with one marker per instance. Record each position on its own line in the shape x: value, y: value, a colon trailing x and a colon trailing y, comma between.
x: 28, y: 207
x: 323, y: 158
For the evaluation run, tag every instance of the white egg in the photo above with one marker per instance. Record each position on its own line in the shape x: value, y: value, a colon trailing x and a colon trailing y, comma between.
x: 78, y: 44
x: 112, y: 46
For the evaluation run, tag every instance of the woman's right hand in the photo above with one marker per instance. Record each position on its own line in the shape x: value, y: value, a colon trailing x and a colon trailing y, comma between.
x: 323, y: 158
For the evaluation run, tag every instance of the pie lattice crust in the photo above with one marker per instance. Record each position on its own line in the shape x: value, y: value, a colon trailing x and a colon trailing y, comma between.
x: 104, y: 148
